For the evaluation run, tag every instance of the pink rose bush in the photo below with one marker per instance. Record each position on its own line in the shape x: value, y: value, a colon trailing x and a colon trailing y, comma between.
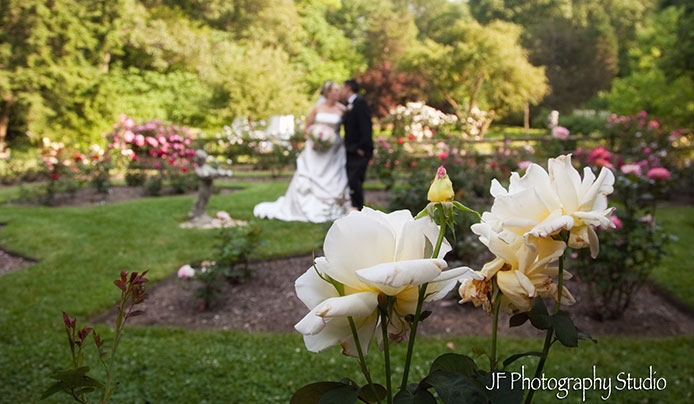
x: 154, y: 143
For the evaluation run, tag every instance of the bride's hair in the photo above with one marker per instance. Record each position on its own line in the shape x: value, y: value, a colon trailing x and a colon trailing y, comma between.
x: 326, y: 87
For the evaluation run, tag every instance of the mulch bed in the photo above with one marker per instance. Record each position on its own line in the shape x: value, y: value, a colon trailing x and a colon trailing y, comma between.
x: 267, y: 302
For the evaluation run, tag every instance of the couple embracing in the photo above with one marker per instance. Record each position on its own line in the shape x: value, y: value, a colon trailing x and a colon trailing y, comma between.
x: 330, y: 171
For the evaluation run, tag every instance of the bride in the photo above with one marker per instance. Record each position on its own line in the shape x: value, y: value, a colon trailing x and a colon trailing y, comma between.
x: 318, y: 191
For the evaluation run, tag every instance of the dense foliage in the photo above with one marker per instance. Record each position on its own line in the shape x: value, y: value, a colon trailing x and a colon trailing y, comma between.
x: 69, y: 68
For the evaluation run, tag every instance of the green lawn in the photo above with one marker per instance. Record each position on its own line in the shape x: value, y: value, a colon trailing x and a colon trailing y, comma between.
x: 81, y: 250
x: 675, y: 273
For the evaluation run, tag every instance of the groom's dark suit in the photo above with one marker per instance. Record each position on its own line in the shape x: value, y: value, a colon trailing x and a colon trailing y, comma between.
x: 359, y: 145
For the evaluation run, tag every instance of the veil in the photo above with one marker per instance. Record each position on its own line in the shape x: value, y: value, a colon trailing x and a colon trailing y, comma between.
x: 324, y: 90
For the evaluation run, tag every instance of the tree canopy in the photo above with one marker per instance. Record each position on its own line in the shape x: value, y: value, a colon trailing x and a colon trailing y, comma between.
x: 68, y: 68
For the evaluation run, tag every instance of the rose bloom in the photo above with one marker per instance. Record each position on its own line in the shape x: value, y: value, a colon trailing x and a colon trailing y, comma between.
x: 631, y: 169
x: 186, y: 271
x: 523, y: 165
x: 441, y: 189
x: 542, y: 203
x: 658, y: 173
x: 128, y: 136
x: 523, y: 270
x: 370, y: 254
x: 560, y: 132
x: 151, y: 141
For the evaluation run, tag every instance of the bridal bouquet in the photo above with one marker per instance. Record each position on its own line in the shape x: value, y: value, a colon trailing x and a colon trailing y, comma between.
x: 323, y: 137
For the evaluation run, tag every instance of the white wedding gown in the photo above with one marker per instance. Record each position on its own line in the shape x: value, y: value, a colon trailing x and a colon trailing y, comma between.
x: 318, y: 191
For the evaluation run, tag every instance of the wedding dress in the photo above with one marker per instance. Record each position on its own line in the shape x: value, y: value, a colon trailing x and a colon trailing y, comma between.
x: 318, y: 191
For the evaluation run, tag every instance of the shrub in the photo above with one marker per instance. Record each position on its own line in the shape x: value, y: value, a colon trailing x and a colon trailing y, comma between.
x: 234, y: 248
x: 636, y: 245
x: 153, y: 186
x: 272, y: 150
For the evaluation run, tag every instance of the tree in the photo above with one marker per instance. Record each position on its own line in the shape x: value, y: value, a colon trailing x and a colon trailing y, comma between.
x: 651, y: 86
x: 481, y: 66
x: 583, y: 43
x: 387, y: 88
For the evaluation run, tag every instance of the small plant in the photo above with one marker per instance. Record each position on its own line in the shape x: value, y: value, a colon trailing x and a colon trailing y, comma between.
x: 182, y: 180
x: 74, y: 381
x: 153, y: 186
x: 234, y: 247
x: 98, y: 168
x: 234, y: 250
x: 135, y: 175
x: 636, y: 245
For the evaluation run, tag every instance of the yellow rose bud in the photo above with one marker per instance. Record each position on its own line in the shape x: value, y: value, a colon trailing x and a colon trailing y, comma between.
x: 441, y: 189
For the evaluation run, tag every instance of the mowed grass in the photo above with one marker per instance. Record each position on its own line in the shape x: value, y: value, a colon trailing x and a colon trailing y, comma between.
x: 676, y: 272
x: 81, y: 251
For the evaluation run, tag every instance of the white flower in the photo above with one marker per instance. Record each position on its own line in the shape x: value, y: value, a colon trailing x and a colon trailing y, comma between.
x: 523, y: 270
x: 186, y: 271
x: 541, y: 204
x: 223, y: 216
x: 370, y: 253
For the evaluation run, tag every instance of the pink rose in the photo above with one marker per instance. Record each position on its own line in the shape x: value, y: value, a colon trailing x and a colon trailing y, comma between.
x: 560, y: 132
x: 152, y: 141
x: 631, y: 169
x: 139, y: 140
x: 523, y: 165
x: 658, y: 173
x: 129, y: 136
x: 443, y: 155
x: 186, y: 271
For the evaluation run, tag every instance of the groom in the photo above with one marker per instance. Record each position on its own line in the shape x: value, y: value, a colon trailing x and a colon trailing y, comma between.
x: 358, y: 140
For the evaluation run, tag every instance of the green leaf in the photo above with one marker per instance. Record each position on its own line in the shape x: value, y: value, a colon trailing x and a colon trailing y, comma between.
x: 366, y: 393
x: 54, y: 388
x: 584, y: 335
x: 464, y: 208
x: 344, y: 394
x: 539, y: 307
x: 538, y: 315
x: 419, y: 397
x: 515, y: 357
x: 518, y: 319
x: 421, y: 214
x: 455, y: 388
x: 70, y: 375
x: 502, y: 392
x: 312, y: 393
x: 564, y: 329
x: 456, y: 363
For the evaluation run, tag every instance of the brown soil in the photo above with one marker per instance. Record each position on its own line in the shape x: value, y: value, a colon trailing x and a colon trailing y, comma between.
x: 267, y: 302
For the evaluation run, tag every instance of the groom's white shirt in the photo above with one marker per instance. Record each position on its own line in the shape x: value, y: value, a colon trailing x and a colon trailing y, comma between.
x: 351, y: 98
